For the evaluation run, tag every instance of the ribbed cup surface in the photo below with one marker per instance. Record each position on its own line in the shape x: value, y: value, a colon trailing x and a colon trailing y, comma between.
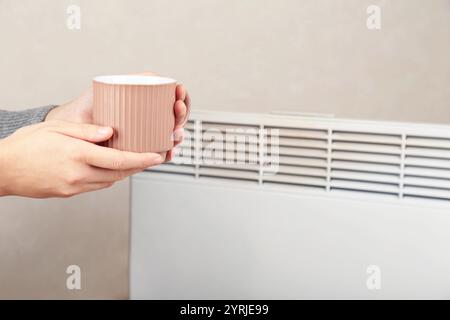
x: 141, y: 115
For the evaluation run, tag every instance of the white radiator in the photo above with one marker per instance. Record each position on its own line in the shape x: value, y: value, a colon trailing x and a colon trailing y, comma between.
x: 311, y: 208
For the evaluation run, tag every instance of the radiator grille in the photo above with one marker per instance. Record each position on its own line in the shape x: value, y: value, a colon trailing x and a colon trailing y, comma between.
x: 404, y: 160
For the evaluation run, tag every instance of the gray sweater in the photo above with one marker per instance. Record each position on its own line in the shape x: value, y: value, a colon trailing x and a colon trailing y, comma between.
x: 10, y: 121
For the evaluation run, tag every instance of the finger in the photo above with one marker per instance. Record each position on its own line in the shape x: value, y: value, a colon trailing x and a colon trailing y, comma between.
x: 187, y: 101
x: 95, y: 186
x: 180, y: 92
x: 169, y: 156
x: 113, y: 159
x: 180, y: 114
x: 164, y: 155
x: 87, y: 187
x: 180, y: 120
x: 100, y: 175
x: 87, y: 132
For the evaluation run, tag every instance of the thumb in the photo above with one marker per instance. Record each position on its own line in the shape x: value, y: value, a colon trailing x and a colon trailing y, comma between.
x: 87, y: 132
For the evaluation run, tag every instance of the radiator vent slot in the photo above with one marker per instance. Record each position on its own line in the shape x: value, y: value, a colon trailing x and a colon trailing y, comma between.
x: 427, y: 167
x: 400, y: 159
x: 229, y: 151
x: 365, y: 162
x: 302, y: 157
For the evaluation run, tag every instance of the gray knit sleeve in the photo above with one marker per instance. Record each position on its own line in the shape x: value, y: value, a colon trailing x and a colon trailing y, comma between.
x: 10, y: 121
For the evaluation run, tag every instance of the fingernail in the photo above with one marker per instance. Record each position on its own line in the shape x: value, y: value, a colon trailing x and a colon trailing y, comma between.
x: 103, y: 131
x: 178, y: 134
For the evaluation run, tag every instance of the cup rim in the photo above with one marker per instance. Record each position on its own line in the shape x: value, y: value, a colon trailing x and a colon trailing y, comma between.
x: 134, y: 80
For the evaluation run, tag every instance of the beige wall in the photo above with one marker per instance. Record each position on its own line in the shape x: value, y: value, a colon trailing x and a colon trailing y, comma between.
x: 244, y: 55
x: 259, y: 55
x: 39, y: 239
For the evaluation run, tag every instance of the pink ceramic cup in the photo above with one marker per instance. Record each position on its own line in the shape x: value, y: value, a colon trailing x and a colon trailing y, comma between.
x: 139, y: 109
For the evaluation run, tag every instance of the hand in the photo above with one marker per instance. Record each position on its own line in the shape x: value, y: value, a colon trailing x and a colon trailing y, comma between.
x: 61, y: 159
x: 80, y: 111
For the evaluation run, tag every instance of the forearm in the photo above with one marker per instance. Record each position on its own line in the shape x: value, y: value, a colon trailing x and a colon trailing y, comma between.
x: 3, y: 170
x: 10, y: 121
